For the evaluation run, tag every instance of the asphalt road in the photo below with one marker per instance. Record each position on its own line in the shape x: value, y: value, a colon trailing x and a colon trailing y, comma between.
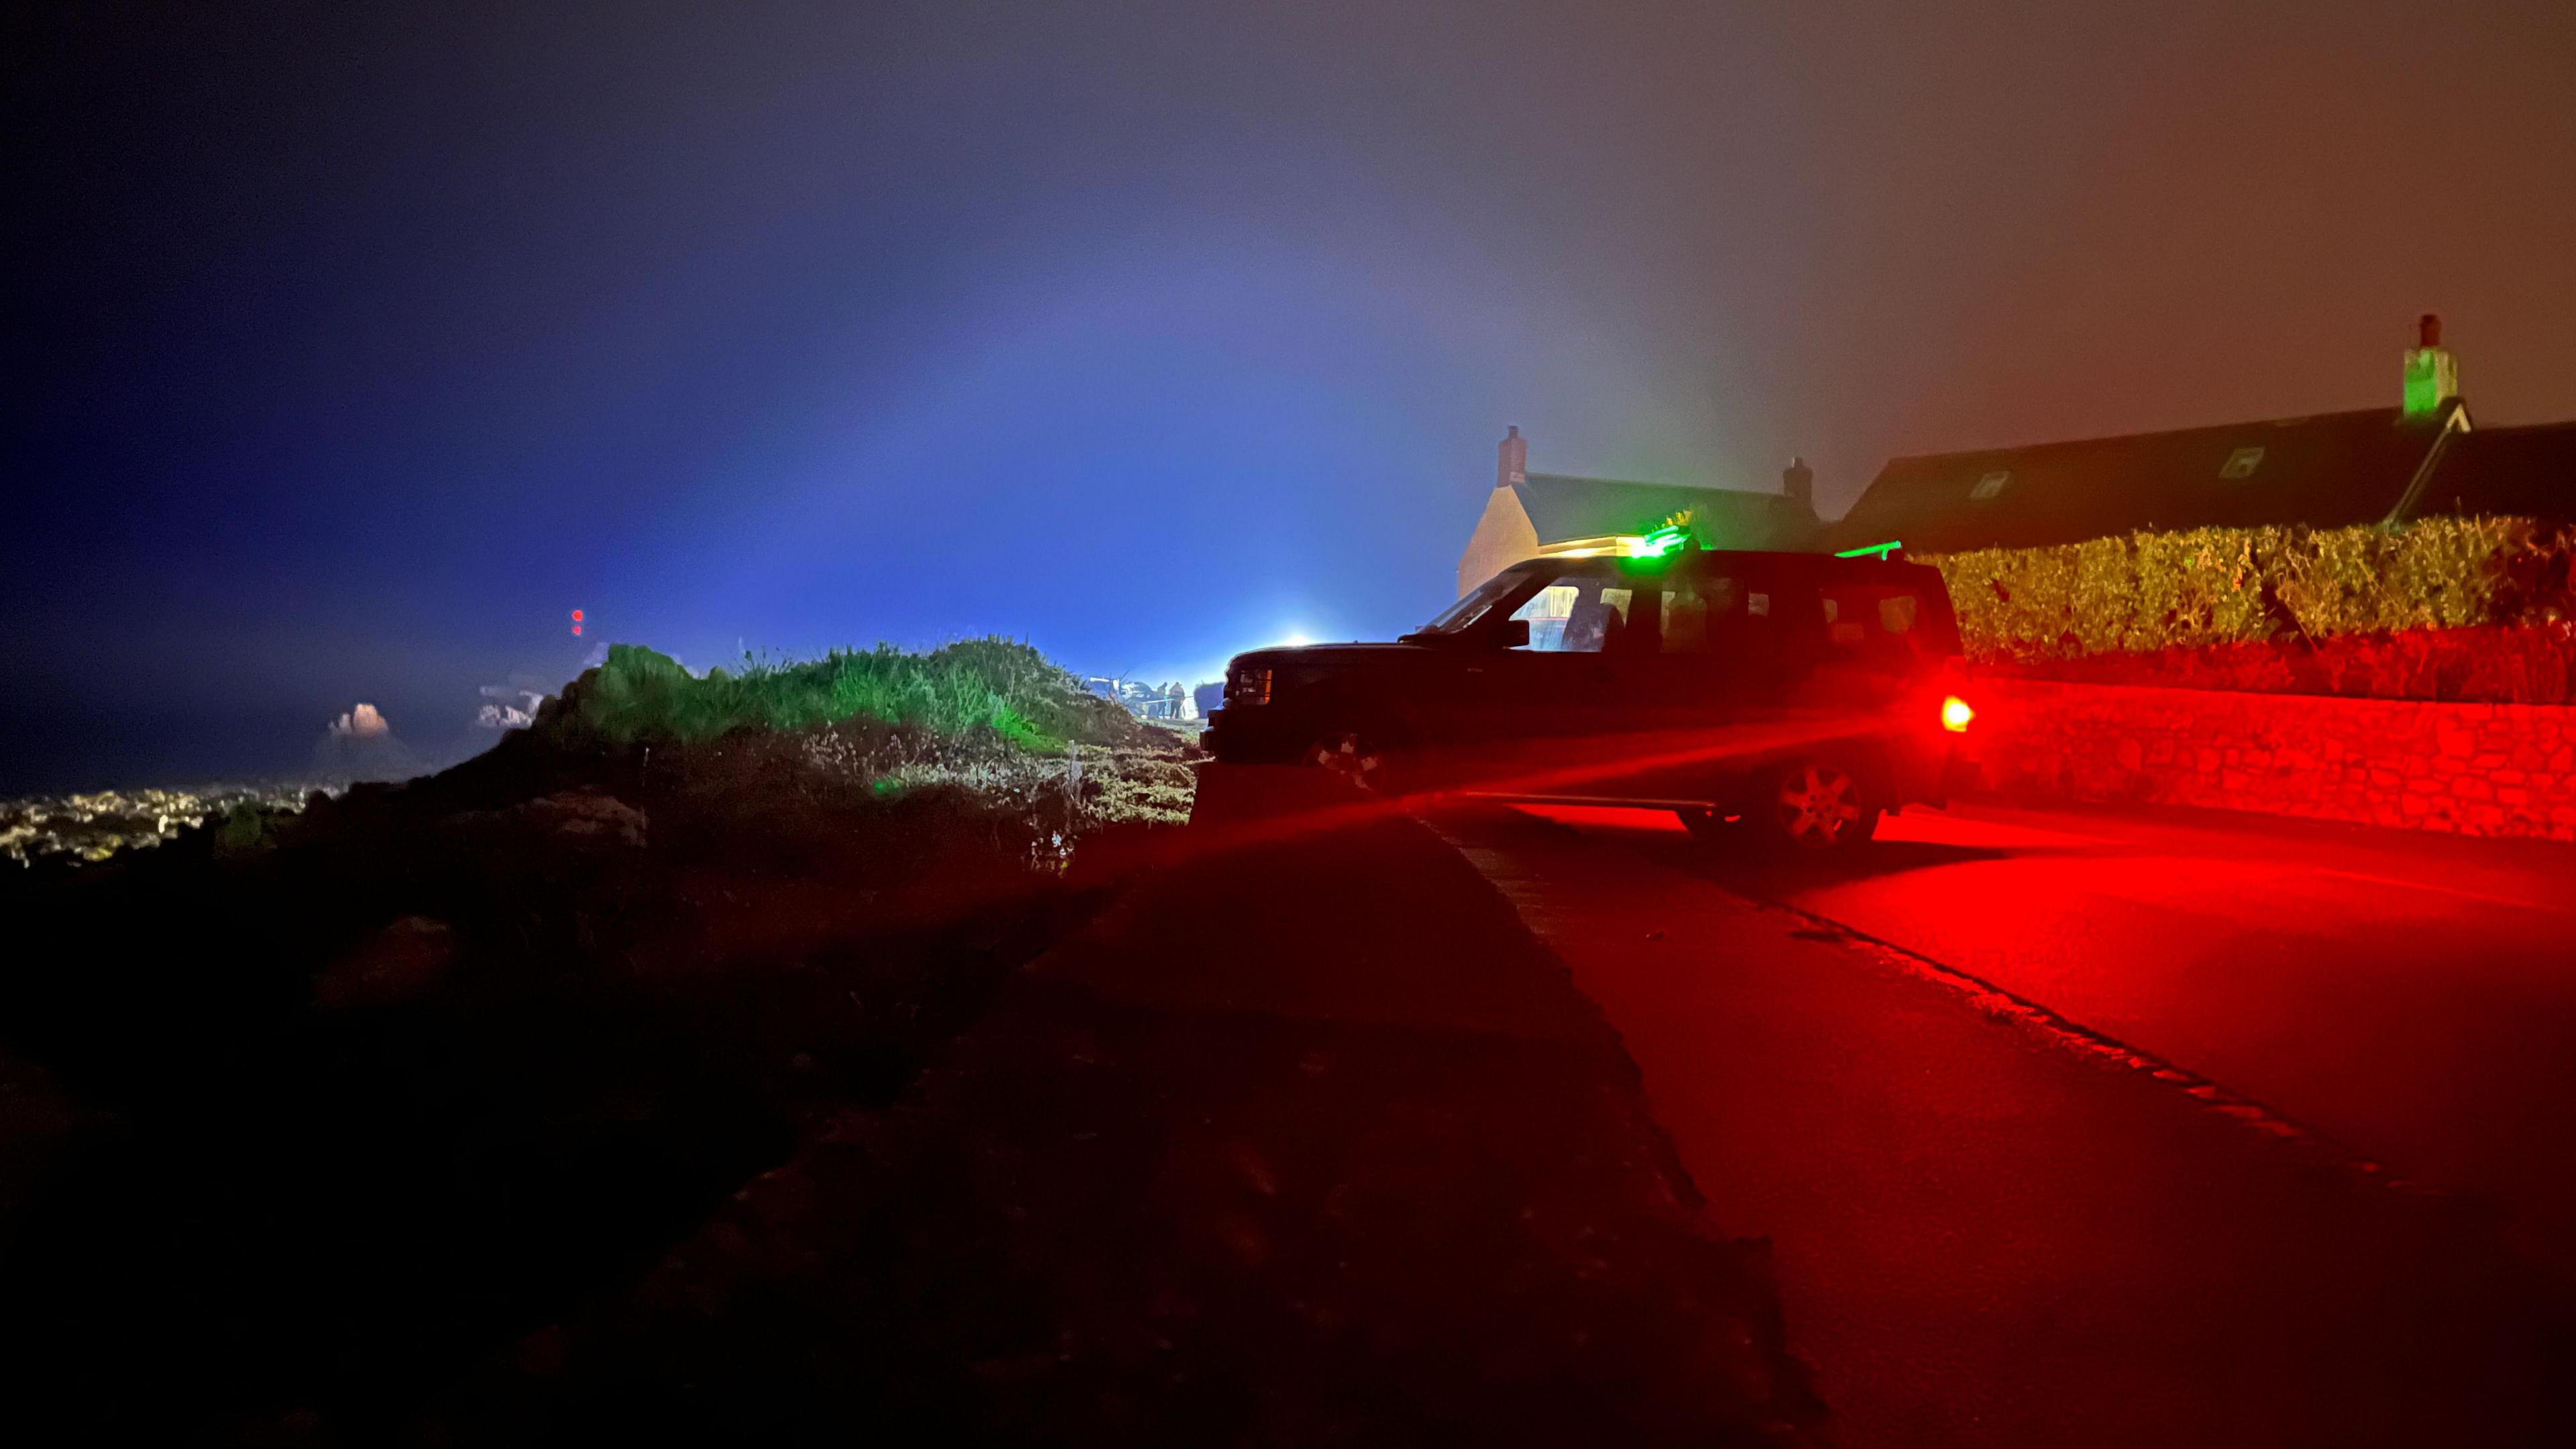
x: 1993, y: 1228
x: 2409, y: 996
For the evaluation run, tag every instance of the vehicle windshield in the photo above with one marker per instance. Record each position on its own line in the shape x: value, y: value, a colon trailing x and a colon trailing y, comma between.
x: 1461, y: 616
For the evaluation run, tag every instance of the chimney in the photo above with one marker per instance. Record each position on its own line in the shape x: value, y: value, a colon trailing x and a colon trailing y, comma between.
x: 1799, y: 482
x: 1513, y: 464
x: 2432, y: 374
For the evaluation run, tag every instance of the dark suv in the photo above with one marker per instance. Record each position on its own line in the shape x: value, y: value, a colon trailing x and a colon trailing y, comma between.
x: 1796, y: 695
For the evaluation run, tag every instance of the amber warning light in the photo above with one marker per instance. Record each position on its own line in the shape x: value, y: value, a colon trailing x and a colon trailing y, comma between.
x: 1955, y: 715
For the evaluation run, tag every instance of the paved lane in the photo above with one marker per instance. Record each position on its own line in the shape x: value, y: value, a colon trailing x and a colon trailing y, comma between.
x: 2411, y: 996
x: 1987, y: 1234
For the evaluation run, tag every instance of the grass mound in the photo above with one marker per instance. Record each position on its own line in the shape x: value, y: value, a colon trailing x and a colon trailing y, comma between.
x: 976, y: 684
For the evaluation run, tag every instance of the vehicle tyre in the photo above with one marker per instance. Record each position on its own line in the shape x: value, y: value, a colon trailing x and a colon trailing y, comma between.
x: 1814, y: 806
x: 1355, y: 757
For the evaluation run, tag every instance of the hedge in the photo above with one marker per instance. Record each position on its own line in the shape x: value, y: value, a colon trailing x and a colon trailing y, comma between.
x: 2150, y: 592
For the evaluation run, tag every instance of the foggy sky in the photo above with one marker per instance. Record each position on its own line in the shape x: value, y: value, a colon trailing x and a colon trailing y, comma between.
x: 352, y: 346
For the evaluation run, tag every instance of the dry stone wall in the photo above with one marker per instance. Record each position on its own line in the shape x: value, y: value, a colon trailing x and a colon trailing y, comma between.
x: 2476, y: 769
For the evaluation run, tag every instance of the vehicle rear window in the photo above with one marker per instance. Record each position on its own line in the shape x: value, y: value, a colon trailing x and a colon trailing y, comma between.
x: 1897, y: 624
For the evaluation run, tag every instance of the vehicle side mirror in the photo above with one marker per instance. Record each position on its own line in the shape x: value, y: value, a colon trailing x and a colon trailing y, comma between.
x: 1512, y: 634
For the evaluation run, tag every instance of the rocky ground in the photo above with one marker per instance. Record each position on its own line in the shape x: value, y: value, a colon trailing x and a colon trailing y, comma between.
x: 790, y: 1084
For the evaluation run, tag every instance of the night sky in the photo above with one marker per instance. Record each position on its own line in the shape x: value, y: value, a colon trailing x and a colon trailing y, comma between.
x: 351, y: 346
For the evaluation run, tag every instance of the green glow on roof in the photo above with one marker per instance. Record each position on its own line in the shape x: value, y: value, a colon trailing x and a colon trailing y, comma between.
x: 1875, y: 550
x: 1662, y: 541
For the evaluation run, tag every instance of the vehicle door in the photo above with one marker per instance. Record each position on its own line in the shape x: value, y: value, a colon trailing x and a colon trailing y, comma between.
x: 1535, y: 709
x: 1686, y: 682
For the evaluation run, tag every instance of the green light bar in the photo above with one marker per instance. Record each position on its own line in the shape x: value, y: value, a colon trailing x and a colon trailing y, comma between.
x: 1875, y: 550
x: 1662, y: 541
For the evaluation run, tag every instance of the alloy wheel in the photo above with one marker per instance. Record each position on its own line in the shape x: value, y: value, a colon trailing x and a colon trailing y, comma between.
x: 1354, y: 759
x: 1816, y: 805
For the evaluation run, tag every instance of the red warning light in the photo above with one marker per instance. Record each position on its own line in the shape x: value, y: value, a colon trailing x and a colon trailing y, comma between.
x: 576, y: 623
x: 576, y: 616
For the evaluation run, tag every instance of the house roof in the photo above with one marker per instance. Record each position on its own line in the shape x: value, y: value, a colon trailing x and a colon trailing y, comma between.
x: 2327, y: 471
x: 2527, y: 472
x: 1562, y: 508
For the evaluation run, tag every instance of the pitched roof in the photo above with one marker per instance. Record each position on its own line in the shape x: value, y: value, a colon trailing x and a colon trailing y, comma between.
x: 2526, y: 472
x: 2327, y: 471
x: 1562, y: 508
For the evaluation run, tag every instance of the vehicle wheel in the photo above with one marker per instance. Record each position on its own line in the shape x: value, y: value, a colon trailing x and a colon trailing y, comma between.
x: 1348, y: 754
x: 1814, y: 805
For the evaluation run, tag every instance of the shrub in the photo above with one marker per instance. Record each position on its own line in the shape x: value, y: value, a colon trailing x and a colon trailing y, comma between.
x: 2210, y: 587
x: 977, y: 684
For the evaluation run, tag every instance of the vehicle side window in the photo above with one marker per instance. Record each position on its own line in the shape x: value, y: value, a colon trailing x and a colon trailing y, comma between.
x: 1674, y: 613
x: 1581, y: 614
x: 1547, y: 613
x: 1685, y: 619
x: 1701, y: 615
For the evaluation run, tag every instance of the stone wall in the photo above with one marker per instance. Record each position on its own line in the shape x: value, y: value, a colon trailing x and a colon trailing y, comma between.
x: 2477, y: 769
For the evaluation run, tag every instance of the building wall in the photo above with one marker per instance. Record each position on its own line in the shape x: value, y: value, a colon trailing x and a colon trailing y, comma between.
x: 2476, y: 769
x: 1503, y: 537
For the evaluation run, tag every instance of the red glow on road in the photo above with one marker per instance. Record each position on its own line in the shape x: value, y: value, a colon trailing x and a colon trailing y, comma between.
x: 1922, y: 827
x: 1610, y: 817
